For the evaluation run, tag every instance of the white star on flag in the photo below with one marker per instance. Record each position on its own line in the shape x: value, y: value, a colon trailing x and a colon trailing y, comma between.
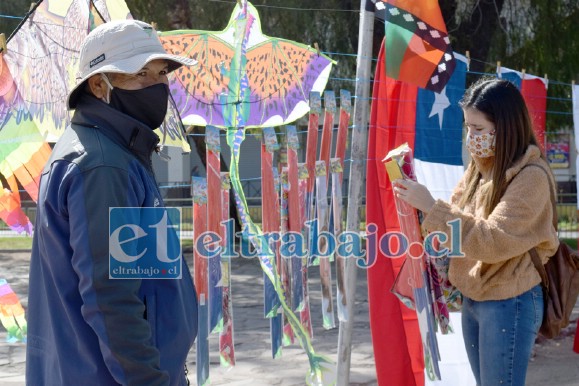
x: 441, y: 102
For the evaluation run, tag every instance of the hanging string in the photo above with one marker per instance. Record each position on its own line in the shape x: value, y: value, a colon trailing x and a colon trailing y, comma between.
x: 291, y: 8
x: 11, y: 17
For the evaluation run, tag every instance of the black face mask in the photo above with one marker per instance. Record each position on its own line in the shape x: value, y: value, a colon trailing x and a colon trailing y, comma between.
x: 147, y: 105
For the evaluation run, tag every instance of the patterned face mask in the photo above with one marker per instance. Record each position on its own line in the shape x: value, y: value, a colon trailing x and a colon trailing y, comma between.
x: 481, y: 145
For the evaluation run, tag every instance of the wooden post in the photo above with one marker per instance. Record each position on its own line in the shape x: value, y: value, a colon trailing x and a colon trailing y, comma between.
x: 357, y: 178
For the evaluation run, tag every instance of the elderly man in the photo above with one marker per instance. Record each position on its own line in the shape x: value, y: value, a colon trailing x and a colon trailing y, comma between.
x: 86, y: 326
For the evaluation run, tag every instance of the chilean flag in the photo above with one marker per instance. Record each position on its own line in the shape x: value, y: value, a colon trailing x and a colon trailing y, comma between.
x: 534, y: 90
x: 431, y: 123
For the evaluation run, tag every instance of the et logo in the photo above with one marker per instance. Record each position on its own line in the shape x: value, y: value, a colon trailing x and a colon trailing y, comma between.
x: 144, y: 243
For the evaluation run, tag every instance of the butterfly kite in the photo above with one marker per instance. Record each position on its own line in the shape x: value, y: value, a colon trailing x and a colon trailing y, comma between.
x: 245, y: 79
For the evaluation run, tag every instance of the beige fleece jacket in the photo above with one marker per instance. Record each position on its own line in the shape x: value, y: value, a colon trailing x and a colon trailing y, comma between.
x: 497, y: 264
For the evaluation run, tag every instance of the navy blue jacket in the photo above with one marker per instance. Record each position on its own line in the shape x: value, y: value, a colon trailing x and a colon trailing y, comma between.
x: 84, y: 328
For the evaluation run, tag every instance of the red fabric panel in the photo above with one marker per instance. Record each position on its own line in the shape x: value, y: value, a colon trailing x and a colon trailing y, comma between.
x: 395, y: 335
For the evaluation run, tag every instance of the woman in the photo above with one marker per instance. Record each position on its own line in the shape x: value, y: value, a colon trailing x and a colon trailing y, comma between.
x: 505, y: 210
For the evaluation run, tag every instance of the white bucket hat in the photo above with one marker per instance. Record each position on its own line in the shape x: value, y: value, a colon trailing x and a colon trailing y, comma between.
x: 122, y: 46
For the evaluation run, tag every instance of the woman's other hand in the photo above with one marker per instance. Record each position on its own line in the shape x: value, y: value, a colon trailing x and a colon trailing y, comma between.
x: 415, y: 194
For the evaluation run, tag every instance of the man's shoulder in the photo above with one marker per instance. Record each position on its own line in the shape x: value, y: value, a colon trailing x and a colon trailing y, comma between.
x: 88, y: 148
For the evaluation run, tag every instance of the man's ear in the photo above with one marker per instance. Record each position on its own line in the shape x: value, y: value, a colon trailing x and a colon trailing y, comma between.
x: 98, y: 86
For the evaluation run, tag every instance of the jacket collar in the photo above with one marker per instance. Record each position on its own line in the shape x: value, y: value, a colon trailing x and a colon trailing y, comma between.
x: 121, y: 128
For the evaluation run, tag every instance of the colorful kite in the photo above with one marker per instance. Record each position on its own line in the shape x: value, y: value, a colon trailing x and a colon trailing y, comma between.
x: 43, y: 56
x: 244, y: 78
x: 12, y: 314
x: 36, y: 71
x: 23, y: 153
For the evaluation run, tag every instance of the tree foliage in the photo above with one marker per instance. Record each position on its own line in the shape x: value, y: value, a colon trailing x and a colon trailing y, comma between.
x: 537, y: 36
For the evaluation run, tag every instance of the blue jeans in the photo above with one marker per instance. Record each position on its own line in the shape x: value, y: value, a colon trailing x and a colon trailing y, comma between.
x: 499, y: 336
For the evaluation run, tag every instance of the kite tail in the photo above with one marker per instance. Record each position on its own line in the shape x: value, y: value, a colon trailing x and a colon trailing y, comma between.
x: 318, y: 363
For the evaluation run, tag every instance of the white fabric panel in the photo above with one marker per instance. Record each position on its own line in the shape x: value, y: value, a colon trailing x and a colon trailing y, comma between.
x: 440, y: 179
x: 454, y: 367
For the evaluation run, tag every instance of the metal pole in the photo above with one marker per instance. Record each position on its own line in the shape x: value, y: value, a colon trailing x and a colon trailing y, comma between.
x: 356, y: 181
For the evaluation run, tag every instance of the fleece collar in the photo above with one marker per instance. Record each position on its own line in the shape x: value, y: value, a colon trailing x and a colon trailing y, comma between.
x: 121, y: 128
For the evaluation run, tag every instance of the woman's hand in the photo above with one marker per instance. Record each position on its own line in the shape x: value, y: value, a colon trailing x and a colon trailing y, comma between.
x: 415, y: 194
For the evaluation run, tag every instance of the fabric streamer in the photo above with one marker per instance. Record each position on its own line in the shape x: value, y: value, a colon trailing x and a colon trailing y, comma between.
x: 336, y: 166
x: 327, y: 128
x: 285, y: 267
x: 305, y: 315
x: 311, y: 151
x: 276, y: 323
x: 295, y: 219
x: 342, y: 136
x: 337, y: 207
x: 200, y: 267
x: 320, y: 246
x: 226, y: 346
x: 213, y: 147
x: 271, y: 222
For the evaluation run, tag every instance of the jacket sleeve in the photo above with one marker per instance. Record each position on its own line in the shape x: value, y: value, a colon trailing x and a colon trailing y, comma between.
x: 111, y: 307
x: 520, y: 221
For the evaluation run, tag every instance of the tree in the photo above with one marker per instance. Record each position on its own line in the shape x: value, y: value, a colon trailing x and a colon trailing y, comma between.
x: 536, y: 35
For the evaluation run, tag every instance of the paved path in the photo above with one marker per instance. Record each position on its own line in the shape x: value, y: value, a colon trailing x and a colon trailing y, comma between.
x: 554, y: 362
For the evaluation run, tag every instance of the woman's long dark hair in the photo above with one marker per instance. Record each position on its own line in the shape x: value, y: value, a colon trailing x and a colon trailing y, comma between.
x: 502, y: 104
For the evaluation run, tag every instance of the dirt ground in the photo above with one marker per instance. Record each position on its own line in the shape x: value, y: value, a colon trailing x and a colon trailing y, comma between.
x: 553, y: 363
